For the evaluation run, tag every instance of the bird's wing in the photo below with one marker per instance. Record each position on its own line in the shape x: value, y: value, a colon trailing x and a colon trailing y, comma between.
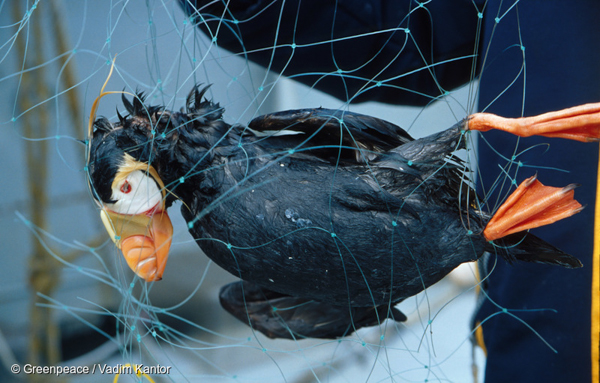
x: 325, y: 131
x: 283, y: 316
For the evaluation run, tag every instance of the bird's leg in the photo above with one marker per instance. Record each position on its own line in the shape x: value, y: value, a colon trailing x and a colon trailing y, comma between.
x: 532, y: 205
x: 581, y: 123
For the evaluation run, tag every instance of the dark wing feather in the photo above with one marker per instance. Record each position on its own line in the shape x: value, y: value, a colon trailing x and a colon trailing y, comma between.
x: 283, y: 316
x: 326, y: 130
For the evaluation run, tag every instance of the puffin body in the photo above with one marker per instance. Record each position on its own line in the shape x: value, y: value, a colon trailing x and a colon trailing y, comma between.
x: 339, y: 234
x: 320, y: 211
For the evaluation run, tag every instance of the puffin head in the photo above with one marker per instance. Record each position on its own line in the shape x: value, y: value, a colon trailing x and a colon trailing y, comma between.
x: 126, y: 160
x: 128, y: 189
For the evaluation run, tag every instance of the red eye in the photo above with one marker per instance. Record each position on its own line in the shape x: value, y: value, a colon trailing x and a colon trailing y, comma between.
x: 126, y: 187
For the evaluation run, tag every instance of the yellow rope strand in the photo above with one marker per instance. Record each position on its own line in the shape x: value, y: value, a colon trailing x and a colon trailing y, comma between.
x: 90, y: 128
x: 68, y: 78
x: 138, y: 373
x: 43, y: 271
x: 595, y: 355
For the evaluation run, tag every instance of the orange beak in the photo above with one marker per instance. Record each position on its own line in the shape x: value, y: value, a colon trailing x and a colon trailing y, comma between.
x: 144, y: 239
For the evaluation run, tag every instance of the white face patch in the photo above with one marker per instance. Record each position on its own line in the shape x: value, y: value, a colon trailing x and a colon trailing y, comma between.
x: 136, y: 194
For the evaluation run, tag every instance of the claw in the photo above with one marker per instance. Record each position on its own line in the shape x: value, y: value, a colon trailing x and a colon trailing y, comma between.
x: 532, y: 205
x: 580, y: 123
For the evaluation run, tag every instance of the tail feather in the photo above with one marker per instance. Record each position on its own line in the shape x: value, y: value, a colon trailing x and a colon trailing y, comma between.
x: 435, y: 147
x: 527, y: 247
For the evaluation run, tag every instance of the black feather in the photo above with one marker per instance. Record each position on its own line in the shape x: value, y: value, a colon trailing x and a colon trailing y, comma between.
x: 139, y: 110
x: 102, y: 124
x: 127, y: 104
x: 282, y: 316
x: 526, y: 247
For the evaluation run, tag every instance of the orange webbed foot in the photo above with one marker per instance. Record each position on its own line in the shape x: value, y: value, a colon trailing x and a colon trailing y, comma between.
x: 532, y: 205
x: 580, y: 123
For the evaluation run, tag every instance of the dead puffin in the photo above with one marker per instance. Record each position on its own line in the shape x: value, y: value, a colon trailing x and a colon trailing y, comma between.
x: 328, y: 217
